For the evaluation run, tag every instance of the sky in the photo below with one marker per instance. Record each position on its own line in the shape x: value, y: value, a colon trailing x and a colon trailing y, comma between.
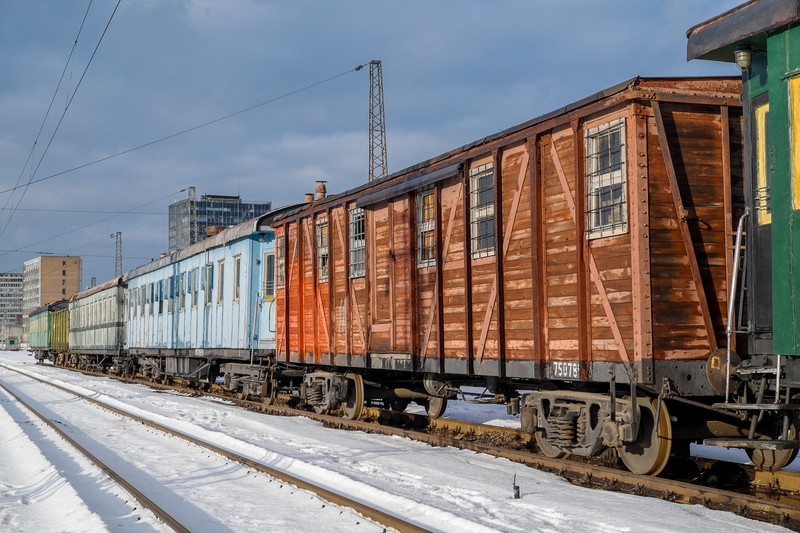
x: 453, y: 72
x: 43, y: 487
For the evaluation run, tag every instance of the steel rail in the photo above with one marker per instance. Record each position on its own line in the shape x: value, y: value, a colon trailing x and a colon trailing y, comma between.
x: 146, y: 502
x: 384, y: 518
x: 776, y: 511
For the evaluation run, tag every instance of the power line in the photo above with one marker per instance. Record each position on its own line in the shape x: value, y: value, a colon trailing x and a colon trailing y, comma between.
x: 189, y: 130
x: 61, y: 119
x: 90, y: 211
x: 53, y: 99
x: 95, y: 223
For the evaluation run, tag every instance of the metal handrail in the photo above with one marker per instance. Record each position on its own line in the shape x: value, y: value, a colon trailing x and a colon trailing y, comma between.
x: 732, y: 297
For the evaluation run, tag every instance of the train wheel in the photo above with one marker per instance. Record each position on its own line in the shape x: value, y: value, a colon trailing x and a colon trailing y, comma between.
x: 435, y: 406
x: 269, y: 391
x: 355, y: 397
x: 772, y: 460
x: 547, y: 447
x: 649, y: 454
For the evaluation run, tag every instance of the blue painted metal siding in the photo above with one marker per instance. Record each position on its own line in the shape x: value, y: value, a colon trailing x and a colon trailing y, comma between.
x: 197, y: 316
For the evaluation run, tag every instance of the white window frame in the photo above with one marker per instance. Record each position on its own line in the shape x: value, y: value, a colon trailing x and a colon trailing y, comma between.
x: 426, y: 228
x: 322, y: 238
x: 606, y: 180
x: 358, y: 243
x: 481, y: 212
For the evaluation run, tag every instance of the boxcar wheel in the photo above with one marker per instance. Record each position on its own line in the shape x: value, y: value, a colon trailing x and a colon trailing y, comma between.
x: 269, y: 391
x: 435, y: 406
x: 548, y: 448
x: 649, y: 453
x: 772, y: 460
x: 355, y: 397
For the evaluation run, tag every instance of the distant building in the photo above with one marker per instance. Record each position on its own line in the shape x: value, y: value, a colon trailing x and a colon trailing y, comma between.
x: 47, y: 279
x: 10, y: 311
x: 191, y: 220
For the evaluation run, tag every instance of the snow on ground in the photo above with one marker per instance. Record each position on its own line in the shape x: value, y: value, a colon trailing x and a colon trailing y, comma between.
x: 443, y: 489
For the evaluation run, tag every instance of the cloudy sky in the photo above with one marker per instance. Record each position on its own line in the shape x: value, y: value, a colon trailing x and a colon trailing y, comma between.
x: 454, y: 71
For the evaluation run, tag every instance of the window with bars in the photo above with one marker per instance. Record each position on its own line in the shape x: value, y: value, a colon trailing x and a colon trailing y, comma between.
x: 481, y: 208
x: 280, y: 258
x: 426, y: 235
x: 357, y: 227
x: 322, y: 249
x: 606, y: 191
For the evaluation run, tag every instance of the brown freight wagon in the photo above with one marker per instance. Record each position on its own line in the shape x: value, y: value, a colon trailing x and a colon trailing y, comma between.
x: 583, y: 250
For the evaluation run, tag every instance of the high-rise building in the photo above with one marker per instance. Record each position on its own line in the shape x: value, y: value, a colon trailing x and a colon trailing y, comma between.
x: 10, y: 299
x: 191, y: 220
x: 10, y: 311
x: 47, y: 279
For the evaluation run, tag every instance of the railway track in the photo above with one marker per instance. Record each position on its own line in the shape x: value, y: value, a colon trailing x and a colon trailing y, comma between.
x: 385, y: 519
x: 770, y: 497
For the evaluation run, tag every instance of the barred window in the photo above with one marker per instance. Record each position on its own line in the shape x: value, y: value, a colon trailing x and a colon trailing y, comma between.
x: 606, y: 191
x: 426, y: 236
x: 357, y: 243
x: 322, y: 249
x: 481, y: 207
x: 280, y: 258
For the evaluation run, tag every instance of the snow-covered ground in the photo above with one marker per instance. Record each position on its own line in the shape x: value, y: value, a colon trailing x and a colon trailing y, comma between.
x: 43, y: 487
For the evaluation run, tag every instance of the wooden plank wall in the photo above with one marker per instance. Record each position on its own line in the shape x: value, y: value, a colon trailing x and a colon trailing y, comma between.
x: 548, y: 293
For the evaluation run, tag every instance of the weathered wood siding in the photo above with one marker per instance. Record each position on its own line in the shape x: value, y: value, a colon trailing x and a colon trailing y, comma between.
x: 549, y: 293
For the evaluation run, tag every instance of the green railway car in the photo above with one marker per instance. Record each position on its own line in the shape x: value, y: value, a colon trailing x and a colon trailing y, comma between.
x: 48, y: 330
x: 762, y: 37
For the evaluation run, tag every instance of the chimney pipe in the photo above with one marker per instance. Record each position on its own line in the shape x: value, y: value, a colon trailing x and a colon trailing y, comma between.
x: 309, y: 197
x: 320, y: 191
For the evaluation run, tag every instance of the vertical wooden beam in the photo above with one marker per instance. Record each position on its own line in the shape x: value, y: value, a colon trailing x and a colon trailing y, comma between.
x: 499, y: 255
x: 392, y: 263
x: 638, y: 177
x: 536, y: 274
x: 312, y: 245
x: 331, y: 280
x: 582, y: 249
x: 348, y: 287
x: 468, y: 270
x: 727, y: 206
x: 437, y: 200
x: 369, y: 272
x: 301, y: 280
x: 413, y: 276
x: 682, y: 215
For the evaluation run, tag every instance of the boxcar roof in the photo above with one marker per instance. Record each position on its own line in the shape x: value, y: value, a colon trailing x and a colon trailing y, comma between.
x: 119, y: 280
x: 717, y: 38
x: 421, y: 173
x: 235, y: 233
x: 55, y: 306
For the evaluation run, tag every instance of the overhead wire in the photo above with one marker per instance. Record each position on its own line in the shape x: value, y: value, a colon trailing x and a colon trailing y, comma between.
x: 61, y: 119
x: 189, y: 130
x: 95, y: 223
x: 52, y: 100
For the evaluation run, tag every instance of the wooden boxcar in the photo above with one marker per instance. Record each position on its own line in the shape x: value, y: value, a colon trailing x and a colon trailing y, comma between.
x: 585, y: 248
x: 48, y: 330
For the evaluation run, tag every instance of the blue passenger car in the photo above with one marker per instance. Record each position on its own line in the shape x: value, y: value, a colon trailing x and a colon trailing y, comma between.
x: 208, y: 304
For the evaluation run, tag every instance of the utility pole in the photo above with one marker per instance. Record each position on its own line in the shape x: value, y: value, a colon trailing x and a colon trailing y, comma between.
x: 378, y: 167
x: 118, y: 255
